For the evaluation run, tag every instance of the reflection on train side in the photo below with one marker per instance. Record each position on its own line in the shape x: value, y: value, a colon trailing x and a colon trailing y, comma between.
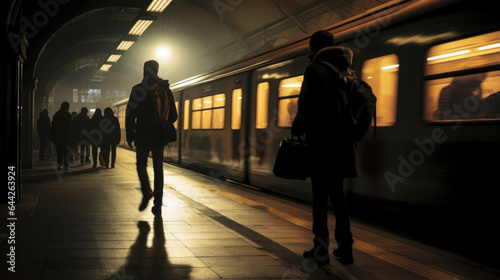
x: 458, y: 87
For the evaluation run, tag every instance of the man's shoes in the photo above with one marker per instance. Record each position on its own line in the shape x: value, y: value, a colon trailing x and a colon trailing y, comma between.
x: 318, y: 256
x: 156, y: 210
x: 344, y: 254
x: 145, y: 200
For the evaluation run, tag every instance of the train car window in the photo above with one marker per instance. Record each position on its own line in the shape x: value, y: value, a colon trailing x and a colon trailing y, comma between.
x: 209, y: 112
x: 470, y: 53
x: 381, y: 74
x: 261, y: 121
x: 236, y: 109
x: 186, y: 114
x: 467, y: 85
x: 288, y: 96
x: 219, y: 111
x: 196, y: 115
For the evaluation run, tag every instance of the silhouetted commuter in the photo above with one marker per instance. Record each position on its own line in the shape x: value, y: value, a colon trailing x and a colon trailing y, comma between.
x: 61, y: 134
x: 110, y: 128
x: 147, y: 137
x: 95, y: 135
x: 80, y: 124
x: 43, y: 129
x: 332, y: 159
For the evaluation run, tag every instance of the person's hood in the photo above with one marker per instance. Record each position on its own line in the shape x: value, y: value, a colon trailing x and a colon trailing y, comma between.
x: 340, y: 57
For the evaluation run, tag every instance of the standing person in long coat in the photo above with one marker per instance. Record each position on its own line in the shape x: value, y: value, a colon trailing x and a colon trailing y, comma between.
x: 111, y: 136
x: 95, y: 136
x: 61, y: 135
x: 332, y: 157
x: 80, y: 124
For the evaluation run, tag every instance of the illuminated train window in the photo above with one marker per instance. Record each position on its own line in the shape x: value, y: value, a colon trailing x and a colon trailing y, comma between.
x: 176, y: 123
x: 381, y: 74
x: 209, y: 112
x: 261, y: 120
x: 288, y: 96
x: 463, y: 81
x: 236, y: 109
x: 186, y: 114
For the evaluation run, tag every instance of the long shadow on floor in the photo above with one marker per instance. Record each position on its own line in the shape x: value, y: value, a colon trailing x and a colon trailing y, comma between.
x: 150, y: 262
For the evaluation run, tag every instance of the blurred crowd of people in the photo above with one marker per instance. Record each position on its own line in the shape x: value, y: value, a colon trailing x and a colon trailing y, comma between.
x: 76, y: 137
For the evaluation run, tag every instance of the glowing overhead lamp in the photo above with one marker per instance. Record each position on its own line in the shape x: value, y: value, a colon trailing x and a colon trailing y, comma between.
x: 105, y: 67
x: 114, y: 57
x: 163, y: 53
x: 124, y: 45
x: 157, y: 6
x: 140, y: 26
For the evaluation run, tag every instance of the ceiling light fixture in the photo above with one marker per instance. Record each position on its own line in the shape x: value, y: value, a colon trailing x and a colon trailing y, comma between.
x: 114, y: 57
x: 139, y: 27
x: 158, y: 6
x: 124, y: 45
x: 105, y: 67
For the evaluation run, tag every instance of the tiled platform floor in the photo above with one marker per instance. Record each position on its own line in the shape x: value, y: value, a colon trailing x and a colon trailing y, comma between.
x: 85, y: 224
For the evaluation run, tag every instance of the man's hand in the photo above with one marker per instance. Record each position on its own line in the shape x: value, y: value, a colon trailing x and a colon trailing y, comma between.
x: 130, y: 144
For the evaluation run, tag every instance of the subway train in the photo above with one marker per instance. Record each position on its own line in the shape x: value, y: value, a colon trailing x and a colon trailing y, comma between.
x: 430, y: 169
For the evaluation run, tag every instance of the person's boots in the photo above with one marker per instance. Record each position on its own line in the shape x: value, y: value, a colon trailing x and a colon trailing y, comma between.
x: 319, y: 253
x: 344, y: 254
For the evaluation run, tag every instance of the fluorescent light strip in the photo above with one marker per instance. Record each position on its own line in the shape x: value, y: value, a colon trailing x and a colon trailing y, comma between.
x: 139, y: 27
x: 114, y: 57
x: 124, y: 45
x: 489, y: 47
x: 105, y: 67
x: 390, y: 67
x: 158, y: 6
x: 291, y: 85
x: 448, y: 55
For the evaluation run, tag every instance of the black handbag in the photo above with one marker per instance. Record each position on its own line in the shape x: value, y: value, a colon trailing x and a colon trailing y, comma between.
x: 169, y: 133
x: 292, y: 160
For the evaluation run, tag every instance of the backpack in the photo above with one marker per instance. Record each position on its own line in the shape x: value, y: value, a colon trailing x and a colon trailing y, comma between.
x: 359, y: 106
x: 161, y: 110
x: 161, y: 105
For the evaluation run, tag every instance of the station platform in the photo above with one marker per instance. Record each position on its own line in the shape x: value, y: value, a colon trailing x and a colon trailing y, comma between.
x: 85, y: 224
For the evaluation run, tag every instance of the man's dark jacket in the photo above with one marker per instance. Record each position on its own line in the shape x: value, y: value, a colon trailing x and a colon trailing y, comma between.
x: 140, y: 113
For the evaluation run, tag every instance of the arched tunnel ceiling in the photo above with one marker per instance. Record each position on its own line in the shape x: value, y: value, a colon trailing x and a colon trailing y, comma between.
x: 79, y: 35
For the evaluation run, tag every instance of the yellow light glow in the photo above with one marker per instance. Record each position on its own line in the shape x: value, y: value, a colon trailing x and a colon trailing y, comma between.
x: 390, y: 67
x: 124, y: 45
x: 157, y: 6
x: 448, y: 55
x: 291, y: 85
x: 493, y: 46
x: 139, y: 27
